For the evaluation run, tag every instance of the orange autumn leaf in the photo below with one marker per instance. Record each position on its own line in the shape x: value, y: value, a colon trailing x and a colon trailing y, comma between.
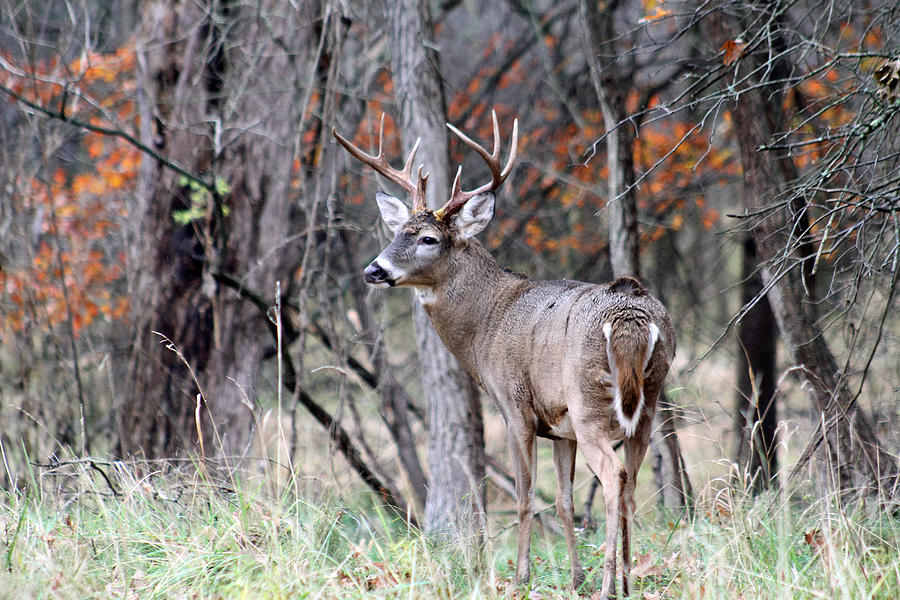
x: 120, y: 308
x: 733, y: 49
x: 83, y: 183
x: 814, y: 539
x: 659, y: 13
x: 92, y: 270
x: 94, y: 145
x: 115, y: 180
x: 710, y: 218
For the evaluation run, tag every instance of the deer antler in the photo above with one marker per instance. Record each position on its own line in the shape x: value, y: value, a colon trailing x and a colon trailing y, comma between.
x: 458, y: 196
x: 378, y: 162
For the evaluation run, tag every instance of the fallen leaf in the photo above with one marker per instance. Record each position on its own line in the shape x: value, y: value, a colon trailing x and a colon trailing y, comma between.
x: 670, y: 562
x: 814, y: 539
x: 646, y: 567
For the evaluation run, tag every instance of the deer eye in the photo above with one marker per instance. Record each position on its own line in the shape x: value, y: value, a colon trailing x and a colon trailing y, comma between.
x: 428, y: 240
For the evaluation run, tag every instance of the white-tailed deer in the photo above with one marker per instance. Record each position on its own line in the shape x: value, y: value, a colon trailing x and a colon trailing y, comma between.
x: 578, y: 363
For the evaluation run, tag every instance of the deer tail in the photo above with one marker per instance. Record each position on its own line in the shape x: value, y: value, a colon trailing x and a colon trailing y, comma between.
x: 628, y: 354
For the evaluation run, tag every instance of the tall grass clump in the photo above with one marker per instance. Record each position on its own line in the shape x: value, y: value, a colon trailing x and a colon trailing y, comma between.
x: 174, y: 536
x: 91, y: 530
x: 773, y: 546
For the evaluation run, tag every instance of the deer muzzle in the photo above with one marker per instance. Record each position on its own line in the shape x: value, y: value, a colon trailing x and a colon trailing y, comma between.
x: 377, y: 276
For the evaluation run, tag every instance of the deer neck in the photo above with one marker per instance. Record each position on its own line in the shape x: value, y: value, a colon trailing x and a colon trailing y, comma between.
x: 460, y: 306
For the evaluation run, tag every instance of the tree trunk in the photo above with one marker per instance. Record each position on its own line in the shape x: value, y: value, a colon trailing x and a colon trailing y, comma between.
x: 853, y: 458
x: 455, y: 502
x: 166, y: 259
x: 756, y: 413
x: 612, y: 86
x: 193, y: 62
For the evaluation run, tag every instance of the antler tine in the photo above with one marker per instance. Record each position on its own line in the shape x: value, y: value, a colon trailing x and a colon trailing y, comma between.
x: 456, y: 188
x: 458, y: 197
x: 380, y: 164
x: 513, y: 150
x: 419, y: 197
x: 408, y: 166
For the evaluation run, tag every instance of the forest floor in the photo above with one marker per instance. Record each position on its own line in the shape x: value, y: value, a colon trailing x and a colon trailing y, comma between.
x: 106, y: 531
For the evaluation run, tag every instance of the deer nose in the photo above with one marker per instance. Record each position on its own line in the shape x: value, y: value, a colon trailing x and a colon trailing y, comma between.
x: 375, y: 274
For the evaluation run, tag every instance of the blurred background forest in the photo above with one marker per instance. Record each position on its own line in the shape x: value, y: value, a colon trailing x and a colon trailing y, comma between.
x: 182, y: 240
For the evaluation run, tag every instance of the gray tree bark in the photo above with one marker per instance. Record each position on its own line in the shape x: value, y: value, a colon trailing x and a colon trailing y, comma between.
x: 756, y: 413
x: 455, y: 502
x: 194, y: 61
x: 852, y: 459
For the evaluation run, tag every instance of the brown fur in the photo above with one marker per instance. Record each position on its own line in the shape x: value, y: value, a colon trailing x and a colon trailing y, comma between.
x: 631, y: 381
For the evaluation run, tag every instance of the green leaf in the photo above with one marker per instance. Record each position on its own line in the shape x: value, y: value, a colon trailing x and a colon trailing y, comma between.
x: 222, y: 187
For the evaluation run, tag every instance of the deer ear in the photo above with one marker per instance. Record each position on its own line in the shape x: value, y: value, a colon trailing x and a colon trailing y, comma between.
x: 394, y: 213
x: 475, y: 215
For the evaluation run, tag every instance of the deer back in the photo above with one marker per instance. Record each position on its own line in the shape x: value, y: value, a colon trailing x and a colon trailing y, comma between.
x: 543, y: 343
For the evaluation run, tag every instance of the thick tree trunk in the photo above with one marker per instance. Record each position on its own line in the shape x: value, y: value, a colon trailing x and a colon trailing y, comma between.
x: 854, y: 459
x: 612, y: 88
x: 456, y: 500
x: 756, y: 413
x: 156, y: 415
x: 193, y: 109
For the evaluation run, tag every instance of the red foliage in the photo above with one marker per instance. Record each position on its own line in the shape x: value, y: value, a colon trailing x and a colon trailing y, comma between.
x: 73, y: 269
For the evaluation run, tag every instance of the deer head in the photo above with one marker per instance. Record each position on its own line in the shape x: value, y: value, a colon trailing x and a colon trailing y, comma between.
x: 425, y: 239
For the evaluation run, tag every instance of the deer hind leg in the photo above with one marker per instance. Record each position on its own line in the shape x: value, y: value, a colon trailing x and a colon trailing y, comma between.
x: 602, y: 460
x: 564, y: 463
x: 522, y: 446
x: 635, y: 449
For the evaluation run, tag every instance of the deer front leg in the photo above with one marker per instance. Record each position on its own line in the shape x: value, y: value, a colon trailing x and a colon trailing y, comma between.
x: 564, y: 463
x: 522, y: 446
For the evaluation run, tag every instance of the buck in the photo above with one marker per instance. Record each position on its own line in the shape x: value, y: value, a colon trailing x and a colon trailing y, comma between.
x: 578, y: 363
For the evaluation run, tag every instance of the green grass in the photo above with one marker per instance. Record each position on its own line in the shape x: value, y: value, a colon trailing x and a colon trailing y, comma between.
x: 179, y: 537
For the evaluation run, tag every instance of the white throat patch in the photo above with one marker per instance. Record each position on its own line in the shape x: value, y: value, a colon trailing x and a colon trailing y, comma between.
x: 425, y: 296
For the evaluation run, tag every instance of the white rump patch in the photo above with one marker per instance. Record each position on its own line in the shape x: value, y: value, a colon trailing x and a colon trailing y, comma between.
x: 613, y: 369
x: 654, y: 337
